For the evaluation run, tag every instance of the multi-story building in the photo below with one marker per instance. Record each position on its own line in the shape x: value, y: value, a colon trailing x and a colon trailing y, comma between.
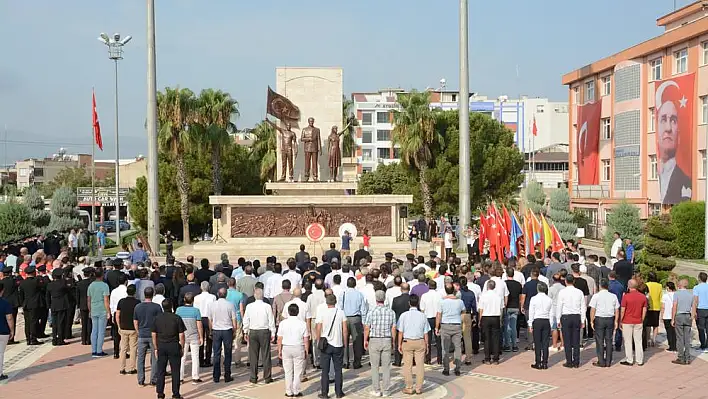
x: 38, y: 171
x: 374, y: 112
x: 639, y: 119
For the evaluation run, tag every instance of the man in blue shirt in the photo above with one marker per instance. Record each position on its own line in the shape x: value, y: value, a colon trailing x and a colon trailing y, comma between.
x: 413, y: 327
x: 238, y: 299
x: 139, y: 255
x: 469, y: 320
x: 618, y: 289
x: 448, y: 325
x: 355, y: 308
x: 101, y: 241
x: 629, y: 250
x: 700, y: 304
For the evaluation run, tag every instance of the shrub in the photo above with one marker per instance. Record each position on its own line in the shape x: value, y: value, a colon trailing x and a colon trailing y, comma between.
x: 35, y: 203
x: 688, y: 218
x: 64, y: 214
x: 559, y: 213
x: 535, y: 197
x: 625, y: 220
x: 692, y: 281
x: 14, y: 221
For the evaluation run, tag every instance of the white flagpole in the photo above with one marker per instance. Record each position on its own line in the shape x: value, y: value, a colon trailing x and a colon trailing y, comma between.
x: 533, y: 152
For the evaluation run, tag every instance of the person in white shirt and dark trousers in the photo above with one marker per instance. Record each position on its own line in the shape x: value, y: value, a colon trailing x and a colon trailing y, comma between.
x: 604, y: 319
x: 490, y: 311
x: 293, y: 345
x: 259, y: 328
x: 332, y: 326
x: 540, y: 311
x: 570, y: 311
x: 222, y: 323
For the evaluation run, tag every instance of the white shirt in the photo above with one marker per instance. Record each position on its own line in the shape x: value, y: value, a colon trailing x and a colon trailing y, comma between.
x: 391, y: 294
x: 202, y: 302
x: 668, y: 301
x: 338, y: 292
x: 605, y: 304
x: 258, y: 316
x: 440, y: 283
x: 386, y: 281
x: 329, y: 279
x: 294, y: 277
x: 616, y: 246
x: 541, y: 278
x: 332, y: 331
x: 117, y: 294
x: 314, y: 301
x: 370, y: 295
x: 412, y: 284
x: 667, y: 169
x: 429, y: 303
x: 273, y: 286
x: 303, y: 310
x: 293, y: 330
x: 490, y: 303
x: 222, y: 314
x: 540, y: 307
x: 158, y: 298
x: 518, y: 276
x: 499, y: 287
x: 571, y: 301
x: 73, y: 240
x: 474, y: 287
x: 448, y: 240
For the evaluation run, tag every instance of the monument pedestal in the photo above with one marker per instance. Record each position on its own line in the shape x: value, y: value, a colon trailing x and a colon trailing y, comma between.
x: 310, y: 189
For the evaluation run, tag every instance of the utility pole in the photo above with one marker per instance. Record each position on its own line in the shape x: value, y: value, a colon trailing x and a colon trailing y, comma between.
x: 153, y: 215
x: 464, y: 110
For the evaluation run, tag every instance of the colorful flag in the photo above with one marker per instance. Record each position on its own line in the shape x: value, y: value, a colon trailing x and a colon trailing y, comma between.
x: 96, y: 125
x: 502, y: 231
x: 557, y: 240
x: 507, y: 218
x: 516, y: 234
x: 547, y: 234
x: 528, y: 233
x: 535, y: 130
x: 536, y: 230
x: 588, y: 143
x: 482, y: 231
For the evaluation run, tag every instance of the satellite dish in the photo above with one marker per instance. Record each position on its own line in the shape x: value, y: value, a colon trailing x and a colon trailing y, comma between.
x: 348, y: 227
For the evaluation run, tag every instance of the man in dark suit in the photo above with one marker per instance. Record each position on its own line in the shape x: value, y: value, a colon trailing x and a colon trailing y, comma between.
x: 399, y: 306
x: 624, y: 269
x: 43, y: 312
x: 302, y: 256
x: 58, y: 301
x: 191, y: 286
x: 31, y: 292
x: 10, y: 285
x: 82, y: 299
x: 112, y: 276
x: 360, y: 254
x: 332, y: 253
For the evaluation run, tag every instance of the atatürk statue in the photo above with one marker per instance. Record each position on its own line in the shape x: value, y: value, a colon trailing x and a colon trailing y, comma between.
x: 312, y: 145
x: 288, y: 150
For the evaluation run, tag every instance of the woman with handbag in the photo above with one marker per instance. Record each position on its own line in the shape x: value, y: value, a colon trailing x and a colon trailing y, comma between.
x: 331, y: 328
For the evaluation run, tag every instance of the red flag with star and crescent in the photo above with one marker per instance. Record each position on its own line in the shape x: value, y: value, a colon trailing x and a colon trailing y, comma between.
x: 96, y: 125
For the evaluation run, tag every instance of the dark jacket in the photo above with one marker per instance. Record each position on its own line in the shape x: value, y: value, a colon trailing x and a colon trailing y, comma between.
x: 190, y: 287
x: 31, y: 293
x: 679, y: 188
x: 401, y: 304
x: 82, y: 293
x: 203, y: 275
x: 302, y: 257
x: 112, y: 277
x: 10, y: 287
x: 360, y: 254
x: 58, y: 295
x: 625, y: 271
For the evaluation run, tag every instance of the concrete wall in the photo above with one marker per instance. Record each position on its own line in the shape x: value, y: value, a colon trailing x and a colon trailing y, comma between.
x: 318, y: 94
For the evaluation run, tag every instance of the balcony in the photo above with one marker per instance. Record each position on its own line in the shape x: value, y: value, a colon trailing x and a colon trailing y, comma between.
x: 591, y: 191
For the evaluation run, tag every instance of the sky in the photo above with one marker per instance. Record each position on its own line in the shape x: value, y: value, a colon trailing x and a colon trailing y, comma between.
x: 50, y: 58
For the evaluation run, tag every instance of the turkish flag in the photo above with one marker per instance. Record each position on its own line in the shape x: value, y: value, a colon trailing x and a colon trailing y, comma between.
x: 482, y: 231
x: 588, y: 143
x: 535, y: 130
x: 556, y: 241
x: 96, y: 125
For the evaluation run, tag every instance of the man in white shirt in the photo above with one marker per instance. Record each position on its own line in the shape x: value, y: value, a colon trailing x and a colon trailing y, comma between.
x: 490, y: 310
x: 499, y: 285
x: 394, y: 292
x: 117, y: 294
x: 259, y: 329
x: 202, y: 302
x: 293, y: 344
x: 429, y: 304
x: 369, y: 292
x: 222, y: 321
x: 616, y: 247
x: 540, y: 310
x: 604, y: 319
x: 337, y: 288
x: 570, y: 313
x: 292, y: 274
x: 273, y: 286
x: 336, y: 270
x: 314, y: 301
x: 332, y: 325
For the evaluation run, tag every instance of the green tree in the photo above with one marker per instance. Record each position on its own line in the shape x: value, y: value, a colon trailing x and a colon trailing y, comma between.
x: 416, y: 135
x: 625, y: 220
x: 265, y: 148
x: 14, y: 221
x: 215, y: 110
x: 65, y: 216
x: 74, y: 177
x: 38, y: 216
x: 659, y: 244
x: 348, y: 119
x: 559, y: 213
x: 535, y: 197
x: 175, y: 113
x: 689, y: 219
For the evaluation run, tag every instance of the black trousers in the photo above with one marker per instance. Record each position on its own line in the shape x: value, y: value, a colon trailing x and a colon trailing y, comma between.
x: 570, y: 328
x: 30, y: 324
x: 355, y: 330
x: 541, y: 336
x: 205, y: 349
x: 334, y: 355
x: 259, y: 350
x: 14, y: 320
x: 397, y: 356
x: 604, y: 327
x: 40, y: 320
x: 670, y: 334
x: 475, y: 339
x: 168, y: 353
x: 588, y: 331
x: 85, y: 327
x: 438, y: 343
x: 69, y: 320
x: 115, y: 335
x: 491, y: 329
x: 59, y: 326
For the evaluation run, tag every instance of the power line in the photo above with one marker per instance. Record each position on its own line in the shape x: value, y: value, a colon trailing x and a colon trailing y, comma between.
x: 46, y: 143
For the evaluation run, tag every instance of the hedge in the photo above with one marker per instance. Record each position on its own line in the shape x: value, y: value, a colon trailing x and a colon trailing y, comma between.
x: 689, y: 224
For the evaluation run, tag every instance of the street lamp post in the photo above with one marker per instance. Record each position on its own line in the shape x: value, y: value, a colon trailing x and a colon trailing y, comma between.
x: 115, y: 52
x: 464, y: 111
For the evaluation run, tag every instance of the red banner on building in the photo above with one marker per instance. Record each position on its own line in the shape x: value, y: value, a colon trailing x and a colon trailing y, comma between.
x: 675, y: 106
x: 588, y: 144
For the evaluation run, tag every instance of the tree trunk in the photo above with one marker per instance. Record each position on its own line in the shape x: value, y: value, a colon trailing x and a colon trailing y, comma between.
x: 425, y: 192
x: 183, y: 188
x: 216, y: 169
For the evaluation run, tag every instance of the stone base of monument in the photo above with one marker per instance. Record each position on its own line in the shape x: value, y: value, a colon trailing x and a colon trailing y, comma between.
x: 311, y: 188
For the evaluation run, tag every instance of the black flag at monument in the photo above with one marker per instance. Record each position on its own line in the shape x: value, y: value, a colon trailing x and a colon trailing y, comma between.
x: 281, y: 108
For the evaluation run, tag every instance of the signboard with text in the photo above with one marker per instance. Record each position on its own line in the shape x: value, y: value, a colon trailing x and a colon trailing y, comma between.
x: 104, y: 196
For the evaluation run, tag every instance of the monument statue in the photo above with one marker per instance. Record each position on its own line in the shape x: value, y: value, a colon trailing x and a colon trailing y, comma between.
x: 288, y: 150
x: 335, y: 153
x: 312, y: 145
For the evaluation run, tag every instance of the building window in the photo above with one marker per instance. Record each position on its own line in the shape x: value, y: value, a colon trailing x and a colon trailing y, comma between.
x: 704, y: 53
x: 576, y: 95
x: 652, y: 119
x: 366, y: 154
x: 654, y: 209
x: 382, y: 117
x: 366, y: 136
x: 681, y: 58
x: 606, y: 85
x: 23, y: 172
x: 653, y: 168
x: 704, y: 109
x: 454, y: 98
x: 575, y: 171
x: 367, y: 119
x: 704, y: 164
x: 396, y: 153
x: 606, y: 170
x: 606, y: 129
x: 38, y: 172
x: 656, y: 69
x: 383, y: 135
x: 540, y: 109
x: 366, y: 169
x: 383, y: 153
x: 589, y: 91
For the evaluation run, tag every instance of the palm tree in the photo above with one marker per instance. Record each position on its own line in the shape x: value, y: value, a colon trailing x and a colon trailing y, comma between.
x: 414, y: 131
x: 348, y: 119
x: 265, y: 148
x: 215, y: 111
x: 175, y: 113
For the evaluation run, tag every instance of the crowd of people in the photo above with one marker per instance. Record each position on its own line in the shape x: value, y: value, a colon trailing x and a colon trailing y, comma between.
x: 328, y: 313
